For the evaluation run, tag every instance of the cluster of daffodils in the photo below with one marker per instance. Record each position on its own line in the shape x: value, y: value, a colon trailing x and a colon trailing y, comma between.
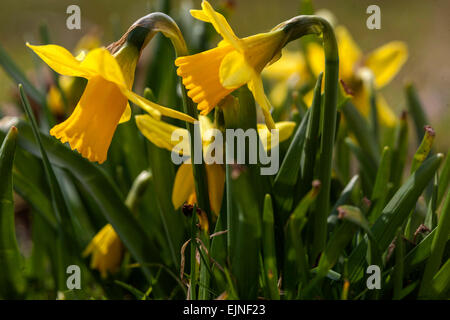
x: 208, y: 78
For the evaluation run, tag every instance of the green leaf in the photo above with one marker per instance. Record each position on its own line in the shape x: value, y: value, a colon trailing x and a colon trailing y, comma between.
x: 394, y: 214
x: 138, y: 294
x: 19, y: 77
x: 354, y: 215
x: 416, y: 110
x: 437, y: 248
x: 286, y: 178
x: 99, y: 185
x: 440, y: 285
x: 344, y: 198
x: 246, y: 233
x: 11, y: 277
x: 337, y: 243
x: 381, y: 187
x: 311, y: 144
x: 399, y: 265
x: 424, y: 148
x: 358, y: 125
x: 444, y: 180
x: 400, y: 151
x: 366, y: 166
x: 268, y: 249
x: 296, y: 267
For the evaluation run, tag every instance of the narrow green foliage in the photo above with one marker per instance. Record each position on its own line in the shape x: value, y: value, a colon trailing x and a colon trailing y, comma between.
x: 11, y: 275
x: 400, y: 152
x: 444, y: 180
x: 361, y: 129
x: 381, y: 186
x: 416, y: 110
x: 268, y: 249
x: 394, y: 213
x: 311, y: 143
x: 399, y: 267
x: 424, y: 148
x: 287, y: 176
x: 437, y: 249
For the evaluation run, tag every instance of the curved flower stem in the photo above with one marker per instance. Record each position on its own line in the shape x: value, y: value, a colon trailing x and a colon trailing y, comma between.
x: 139, y: 34
x: 295, y: 28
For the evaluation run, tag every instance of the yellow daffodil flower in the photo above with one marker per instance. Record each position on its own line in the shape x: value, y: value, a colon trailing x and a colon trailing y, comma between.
x: 355, y: 69
x: 359, y: 71
x: 72, y: 87
x: 106, y: 250
x: 287, y: 73
x: 104, y: 103
x: 160, y: 134
x: 211, y: 75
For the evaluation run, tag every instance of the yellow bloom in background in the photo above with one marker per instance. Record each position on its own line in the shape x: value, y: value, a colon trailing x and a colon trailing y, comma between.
x: 106, y: 250
x: 211, y: 75
x: 160, y: 133
x: 287, y: 73
x: 358, y: 70
x: 104, y: 102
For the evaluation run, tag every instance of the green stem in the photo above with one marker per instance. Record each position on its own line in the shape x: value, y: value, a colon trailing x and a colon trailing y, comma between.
x: 295, y: 28
x: 139, y: 34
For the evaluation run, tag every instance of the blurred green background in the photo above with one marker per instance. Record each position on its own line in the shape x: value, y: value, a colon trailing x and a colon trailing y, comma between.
x: 423, y: 25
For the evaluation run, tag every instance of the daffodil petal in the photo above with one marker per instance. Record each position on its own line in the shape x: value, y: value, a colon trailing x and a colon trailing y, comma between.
x: 160, y: 133
x: 183, y: 185
x: 286, y: 128
x: 349, y: 52
x: 216, y: 182
x: 199, y: 15
x: 386, y: 61
x: 279, y: 93
x: 234, y: 71
x: 100, y: 62
x: 60, y: 60
x: 256, y: 87
x: 155, y: 109
x: 316, y: 58
x: 126, y: 115
x: 219, y: 23
x: 385, y: 114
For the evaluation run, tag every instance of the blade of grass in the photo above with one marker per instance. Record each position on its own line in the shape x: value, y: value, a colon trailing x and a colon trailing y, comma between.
x: 400, y: 152
x: 268, y: 250
x: 296, y: 267
x: 394, y: 214
x: 437, y: 249
x: 311, y: 145
x: 286, y: 178
x: 381, y: 186
x: 11, y: 262
x: 361, y: 129
x: 399, y: 266
x: 440, y: 285
x: 444, y: 180
x: 416, y: 110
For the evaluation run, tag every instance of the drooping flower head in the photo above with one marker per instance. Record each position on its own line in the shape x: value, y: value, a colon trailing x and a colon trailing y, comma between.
x: 211, y: 75
x: 106, y: 251
x: 104, y: 103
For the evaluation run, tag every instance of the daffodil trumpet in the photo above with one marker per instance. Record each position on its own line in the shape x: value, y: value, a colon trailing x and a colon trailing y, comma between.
x: 295, y: 28
x: 110, y: 75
